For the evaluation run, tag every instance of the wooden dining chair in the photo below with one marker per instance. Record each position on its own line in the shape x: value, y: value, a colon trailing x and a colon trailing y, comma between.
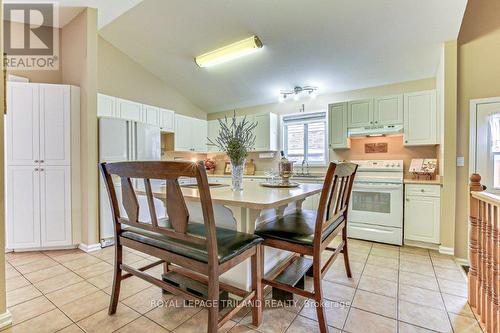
x: 309, y: 233
x: 200, y: 252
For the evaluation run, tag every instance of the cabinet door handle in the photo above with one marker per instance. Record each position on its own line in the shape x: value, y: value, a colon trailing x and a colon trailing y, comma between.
x: 422, y: 190
x: 41, y: 169
x: 42, y: 161
x: 36, y: 161
x: 407, y: 199
x: 36, y: 169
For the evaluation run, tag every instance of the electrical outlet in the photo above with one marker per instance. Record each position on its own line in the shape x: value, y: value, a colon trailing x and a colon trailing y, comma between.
x: 460, y: 161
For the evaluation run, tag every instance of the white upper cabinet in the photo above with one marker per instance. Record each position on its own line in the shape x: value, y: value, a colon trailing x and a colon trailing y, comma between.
x: 151, y: 115
x: 23, y: 124
x: 167, y: 120
x: 360, y: 113
x: 190, y: 134
x: 113, y: 107
x: 55, y: 124
x: 266, y: 132
x: 388, y: 110
x: 213, y: 132
x: 420, y: 118
x: 106, y: 106
x: 129, y: 110
x: 338, y: 126
x: 199, y: 134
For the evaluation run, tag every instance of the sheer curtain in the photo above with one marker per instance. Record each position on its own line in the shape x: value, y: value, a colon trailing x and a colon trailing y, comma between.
x: 495, y: 148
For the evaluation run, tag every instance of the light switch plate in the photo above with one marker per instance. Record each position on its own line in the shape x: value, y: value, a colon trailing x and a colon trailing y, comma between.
x: 460, y: 161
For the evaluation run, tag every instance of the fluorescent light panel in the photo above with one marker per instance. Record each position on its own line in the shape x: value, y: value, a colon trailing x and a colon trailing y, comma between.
x: 229, y: 52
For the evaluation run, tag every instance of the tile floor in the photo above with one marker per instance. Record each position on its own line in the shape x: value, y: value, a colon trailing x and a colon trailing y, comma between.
x: 392, y: 290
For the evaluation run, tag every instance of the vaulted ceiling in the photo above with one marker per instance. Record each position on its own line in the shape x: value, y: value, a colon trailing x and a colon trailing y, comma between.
x: 338, y: 45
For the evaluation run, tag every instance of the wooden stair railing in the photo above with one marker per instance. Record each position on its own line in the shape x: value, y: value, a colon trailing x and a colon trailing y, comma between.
x: 483, y: 277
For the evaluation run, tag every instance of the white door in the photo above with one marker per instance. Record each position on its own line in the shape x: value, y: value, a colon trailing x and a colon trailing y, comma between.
x: 23, y: 137
x: 151, y: 115
x: 360, y: 113
x: 147, y: 142
x: 23, y: 207
x: 485, y: 152
x: 420, y: 118
x: 106, y: 106
x: 55, y: 205
x: 129, y: 110
x: 422, y: 219
x: 388, y: 110
x: 55, y: 124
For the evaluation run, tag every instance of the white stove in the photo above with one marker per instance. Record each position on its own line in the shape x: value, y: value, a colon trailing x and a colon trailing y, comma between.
x: 376, y: 206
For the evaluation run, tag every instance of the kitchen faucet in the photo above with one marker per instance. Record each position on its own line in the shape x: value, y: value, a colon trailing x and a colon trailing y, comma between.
x: 304, y: 162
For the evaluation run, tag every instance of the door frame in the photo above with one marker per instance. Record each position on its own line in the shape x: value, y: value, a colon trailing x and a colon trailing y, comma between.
x: 474, y: 103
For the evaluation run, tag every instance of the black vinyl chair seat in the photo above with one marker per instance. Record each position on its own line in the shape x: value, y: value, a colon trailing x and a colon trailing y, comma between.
x: 230, y: 243
x: 296, y: 228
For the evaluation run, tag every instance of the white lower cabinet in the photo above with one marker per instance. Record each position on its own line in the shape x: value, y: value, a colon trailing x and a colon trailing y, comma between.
x: 422, y: 213
x: 23, y: 207
x: 38, y: 206
x: 55, y: 206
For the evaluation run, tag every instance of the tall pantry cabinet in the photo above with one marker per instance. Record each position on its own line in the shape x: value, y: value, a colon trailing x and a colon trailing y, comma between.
x: 42, y: 154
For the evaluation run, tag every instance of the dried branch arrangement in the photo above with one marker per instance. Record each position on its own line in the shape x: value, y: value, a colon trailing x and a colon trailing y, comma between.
x: 236, y: 138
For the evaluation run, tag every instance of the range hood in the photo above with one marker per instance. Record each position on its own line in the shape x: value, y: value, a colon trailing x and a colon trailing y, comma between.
x: 375, y: 131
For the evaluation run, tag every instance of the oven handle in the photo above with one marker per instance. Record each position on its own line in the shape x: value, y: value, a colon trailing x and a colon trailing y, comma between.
x: 378, y: 186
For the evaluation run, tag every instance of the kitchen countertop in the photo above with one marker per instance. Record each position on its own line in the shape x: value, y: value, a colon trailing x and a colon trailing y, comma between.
x: 437, y: 181
x: 314, y: 176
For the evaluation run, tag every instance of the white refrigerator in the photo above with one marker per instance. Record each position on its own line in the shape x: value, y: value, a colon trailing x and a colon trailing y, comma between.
x: 122, y: 140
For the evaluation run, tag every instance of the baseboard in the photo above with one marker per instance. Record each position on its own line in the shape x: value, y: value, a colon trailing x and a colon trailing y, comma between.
x: 89, y: 247
x: 5, y: 320
x: 49, y: 248
x: 447, y: 250
x: 422, y: 245
x: 462, y: 261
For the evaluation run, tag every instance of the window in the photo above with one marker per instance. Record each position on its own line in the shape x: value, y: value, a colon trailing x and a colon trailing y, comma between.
x: 305, y: 138
x: 495, y: 148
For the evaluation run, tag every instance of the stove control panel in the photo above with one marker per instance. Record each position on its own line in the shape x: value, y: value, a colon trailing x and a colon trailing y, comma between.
x: 395, y: 165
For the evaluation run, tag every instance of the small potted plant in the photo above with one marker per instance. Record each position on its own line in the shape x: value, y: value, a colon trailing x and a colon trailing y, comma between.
x: 236, y: 139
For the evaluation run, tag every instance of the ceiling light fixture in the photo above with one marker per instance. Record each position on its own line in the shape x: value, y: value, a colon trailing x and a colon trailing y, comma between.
x: 297, y: 91
x: 229, y: 52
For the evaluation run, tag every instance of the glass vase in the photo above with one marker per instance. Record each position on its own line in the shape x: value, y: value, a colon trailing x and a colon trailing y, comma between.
x: 237, y: 176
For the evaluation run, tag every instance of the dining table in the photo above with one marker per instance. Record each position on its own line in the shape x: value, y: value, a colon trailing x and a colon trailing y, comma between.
x: 243, y: 211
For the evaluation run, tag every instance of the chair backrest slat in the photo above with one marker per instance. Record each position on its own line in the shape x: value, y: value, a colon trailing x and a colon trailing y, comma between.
x: 176, y: 206
x: 176, y: 225
x: 151, y: 203
x: 129, y: 199
x: 334, y: 200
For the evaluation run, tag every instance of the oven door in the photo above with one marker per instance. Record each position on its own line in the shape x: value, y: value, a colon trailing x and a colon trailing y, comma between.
x: 377, y: 204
